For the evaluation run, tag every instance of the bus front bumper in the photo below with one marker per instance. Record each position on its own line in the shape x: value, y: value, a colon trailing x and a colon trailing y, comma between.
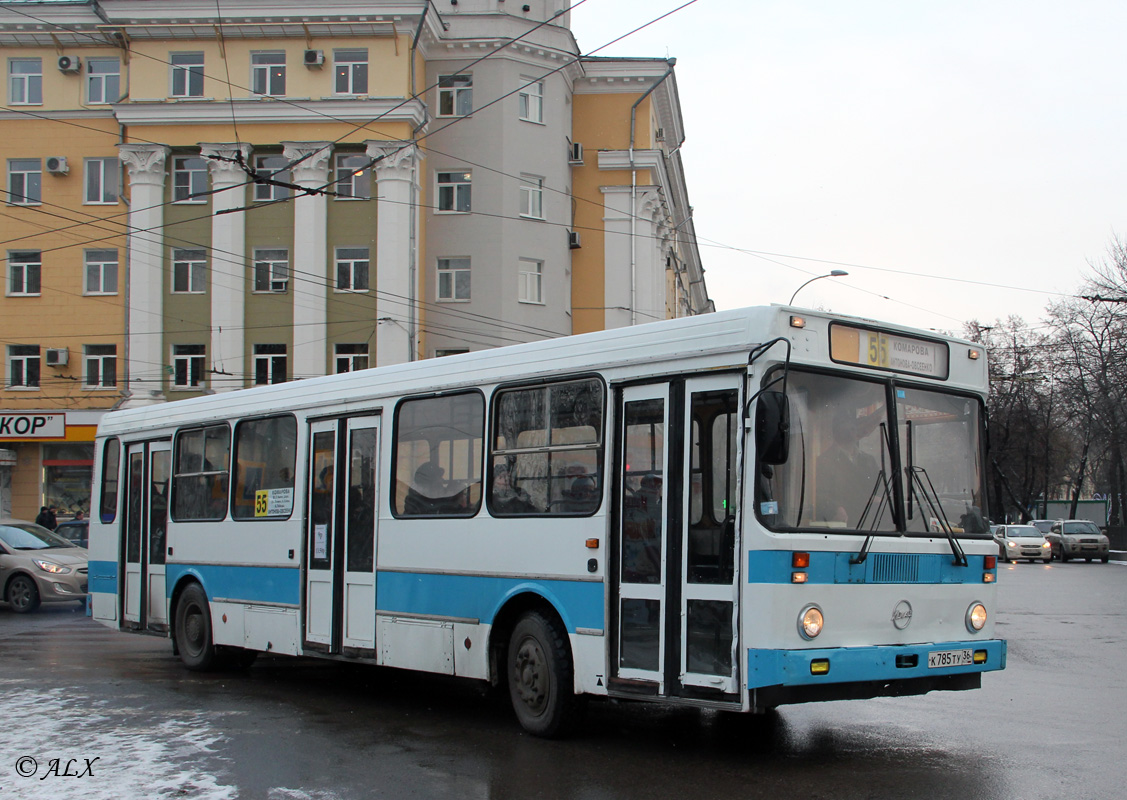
x: 882, y: 670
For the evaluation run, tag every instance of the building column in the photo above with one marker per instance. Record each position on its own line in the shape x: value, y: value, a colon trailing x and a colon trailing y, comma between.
x: 649, y: 255
x: 310, y: 257
x: 397, y: 238
x: 227, y: 353
x: 616, y: 257
x: 144, y: 336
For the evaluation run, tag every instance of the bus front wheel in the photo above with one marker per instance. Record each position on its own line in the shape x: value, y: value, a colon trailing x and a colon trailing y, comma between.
x: 540, y: 675
x: 193, y: 630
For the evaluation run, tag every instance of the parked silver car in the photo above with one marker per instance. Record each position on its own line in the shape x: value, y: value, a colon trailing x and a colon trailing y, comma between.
x: 1022, y: 541
x: 1078, y: 538
x: 38, y: 566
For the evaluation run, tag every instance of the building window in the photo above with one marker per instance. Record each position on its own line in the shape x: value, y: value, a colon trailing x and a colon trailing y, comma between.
x: 101, y: 272
x: 352, y: 269
x: 437, y: 456
x: 25, y: 81
x: 101, y: 366
x: 103, y: 80
x: 187, y: 74
x: 271, y: 270
x: 274, y: 168
x: 531, y: 289
x: 453, y: 279
x: 454, y: 191
x: 25, y: 181
x: 531, y: 98
x: 351, y: 357
x: 531, y: 197
x: 450, y: 351
x: 189, y: 179
x: 269, y: 364
x: 189, y: 271
x: 455, y: 95
x: 25, y: 267
x: 23, y: 366
x: 268, y: 73
x: 351, y: 71
x: 102, y: 180
x: 188, y: 365
x: 354, y: 177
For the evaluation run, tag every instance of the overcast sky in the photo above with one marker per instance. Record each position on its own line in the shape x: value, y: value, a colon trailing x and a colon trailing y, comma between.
x: 928, y: 147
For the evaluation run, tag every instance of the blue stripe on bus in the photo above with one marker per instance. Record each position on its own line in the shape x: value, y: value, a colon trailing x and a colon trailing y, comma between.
x: 102, y: 576
x: 774, y: 566
x: 580, y: 603
x: 851, y: 664
x: 241, y: 584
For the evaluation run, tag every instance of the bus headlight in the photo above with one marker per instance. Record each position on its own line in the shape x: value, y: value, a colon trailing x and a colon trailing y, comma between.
x: 810, y: 622
x: 976, y: 617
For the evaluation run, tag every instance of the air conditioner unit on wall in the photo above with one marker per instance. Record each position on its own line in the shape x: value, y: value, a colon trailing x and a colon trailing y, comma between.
x: 314, y: 58
x: 57, y: 165
x: 57, y: 358
x: 70, y: 63
x: 575, y: 154
x: 573, y: 240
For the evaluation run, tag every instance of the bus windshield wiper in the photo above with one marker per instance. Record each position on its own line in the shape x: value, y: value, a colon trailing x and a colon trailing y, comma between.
x: 916, y: 479
x: 881, y: 481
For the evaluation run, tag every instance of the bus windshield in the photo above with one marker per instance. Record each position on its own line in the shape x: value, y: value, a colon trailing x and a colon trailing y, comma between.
x: 866, y: 455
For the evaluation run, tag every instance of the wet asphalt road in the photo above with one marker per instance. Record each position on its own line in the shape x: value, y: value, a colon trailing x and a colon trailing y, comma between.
x: 1052, y: 725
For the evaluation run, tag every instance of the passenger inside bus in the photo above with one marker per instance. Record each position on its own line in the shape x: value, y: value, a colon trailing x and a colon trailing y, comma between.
x: 507, y: 497
x: 847, y: 475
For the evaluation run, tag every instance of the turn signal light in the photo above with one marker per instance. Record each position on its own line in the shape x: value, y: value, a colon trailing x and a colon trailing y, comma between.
x: 593, y: 544
x: 979, y: 656
x: 800, y: 560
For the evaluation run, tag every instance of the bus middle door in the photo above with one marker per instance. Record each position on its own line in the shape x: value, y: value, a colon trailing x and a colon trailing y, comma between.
x: 340, y: 583
x: 144, y: 596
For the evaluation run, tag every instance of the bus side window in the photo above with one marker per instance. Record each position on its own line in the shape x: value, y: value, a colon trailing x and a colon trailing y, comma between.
x: 547, y: 449
x: 111, y: 462
x: 199, y: 481
x: 438, y: 451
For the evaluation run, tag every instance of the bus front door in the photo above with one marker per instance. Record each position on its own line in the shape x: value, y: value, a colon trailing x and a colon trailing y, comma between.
x: 676, y: 566
x: 340, y: 582
x: 143, y: 590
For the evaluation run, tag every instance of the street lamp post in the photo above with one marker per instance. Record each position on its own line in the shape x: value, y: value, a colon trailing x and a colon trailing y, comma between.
x: 837, y: 273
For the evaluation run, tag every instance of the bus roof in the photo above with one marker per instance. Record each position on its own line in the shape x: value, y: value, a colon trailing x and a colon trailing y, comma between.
x: 713, y: 341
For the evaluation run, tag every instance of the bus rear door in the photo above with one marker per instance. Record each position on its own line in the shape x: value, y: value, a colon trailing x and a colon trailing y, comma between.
x: 142, y: 556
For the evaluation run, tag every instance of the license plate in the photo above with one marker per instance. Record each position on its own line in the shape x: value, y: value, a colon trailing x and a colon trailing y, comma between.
x: 950, y: 658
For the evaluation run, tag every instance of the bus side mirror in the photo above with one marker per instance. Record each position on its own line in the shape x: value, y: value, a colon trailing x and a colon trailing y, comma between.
x: 772, y: 428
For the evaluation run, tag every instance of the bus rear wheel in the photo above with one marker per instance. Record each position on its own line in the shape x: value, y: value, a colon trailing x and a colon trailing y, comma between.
x: 193, y: 630
x: 540, y: 676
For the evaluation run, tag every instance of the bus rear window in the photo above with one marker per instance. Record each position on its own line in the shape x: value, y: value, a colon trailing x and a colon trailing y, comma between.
x: 199, y: 482
x: 265, y: 453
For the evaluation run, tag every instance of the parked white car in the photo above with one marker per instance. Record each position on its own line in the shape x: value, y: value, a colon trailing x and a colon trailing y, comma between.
x: 1022, y: 541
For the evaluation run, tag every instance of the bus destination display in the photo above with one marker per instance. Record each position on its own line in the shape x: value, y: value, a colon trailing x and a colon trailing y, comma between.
x: 882, y: 350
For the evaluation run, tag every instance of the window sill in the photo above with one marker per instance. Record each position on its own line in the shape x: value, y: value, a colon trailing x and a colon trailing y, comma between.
x: 201, y: 291
x: 25, y: 294
x: 448, y: 212
x: 532, y: 302
x: 99, y: 202
x: 533, y: 121
x: 99, y: 388
x: 451, y: 300
x: 535, y: 219
x: 23, y: 388
x: 189, y: 202
x: 30, y: 203
x: 351, y: 291
x: 99, y: 294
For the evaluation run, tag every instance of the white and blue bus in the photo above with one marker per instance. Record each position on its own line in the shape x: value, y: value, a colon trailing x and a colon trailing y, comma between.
x: 737, y: 511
